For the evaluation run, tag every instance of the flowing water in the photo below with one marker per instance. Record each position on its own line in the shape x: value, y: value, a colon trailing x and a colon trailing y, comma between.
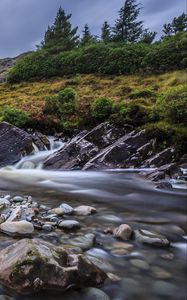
x: 120, y: 196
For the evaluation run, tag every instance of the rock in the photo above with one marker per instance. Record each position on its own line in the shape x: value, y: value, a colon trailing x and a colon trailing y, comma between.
x: 120, y: 245
x: 151, y: 238
x: 68, y: 210
x: 123, y: 232
x: 4, y: 202
x: 164, y: 186
x: 5, y: 297
x: 41, y: 141
x: 119, y: 251
x: 164, y: 288
x: 14, y: 143
x: 47, y: 227
x: 84, y: 210
x: 140, y: 264
x: 84, y: 146
x: 17, y: 199
x: 93, y: 294
x: 30, y: 266
x: 15, y: 214
x: 84, y: 242
x: 59, y: 211
x: 160, y: 273
x: 164, y: 157
x: 69, y: 224
x: 17, y: 228
x: 120, y: 153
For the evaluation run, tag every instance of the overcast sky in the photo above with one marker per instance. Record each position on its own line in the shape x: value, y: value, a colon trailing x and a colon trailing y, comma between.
x: 23, y: 22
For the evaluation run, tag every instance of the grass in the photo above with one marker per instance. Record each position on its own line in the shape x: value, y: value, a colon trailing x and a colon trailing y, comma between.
x: 30, y: 97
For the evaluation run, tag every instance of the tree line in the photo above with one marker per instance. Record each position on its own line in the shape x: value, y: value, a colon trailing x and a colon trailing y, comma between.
x: 61, y: 36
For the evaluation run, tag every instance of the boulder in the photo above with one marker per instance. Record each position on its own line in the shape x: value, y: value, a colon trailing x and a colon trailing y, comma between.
x: 30, y: 266
x: 17, y: 228
x: 162, y: 158
x: 14, y: 143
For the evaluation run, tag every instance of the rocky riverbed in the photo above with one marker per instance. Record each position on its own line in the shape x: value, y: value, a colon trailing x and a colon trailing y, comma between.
x: 91, y: 234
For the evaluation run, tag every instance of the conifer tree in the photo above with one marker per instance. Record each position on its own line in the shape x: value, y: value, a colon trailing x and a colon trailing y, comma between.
x: 106, y: 32
x: 87, y: 37
x: 148, y: 37
x: 127, y: 28
x: 178, y: 24
x: 60, y: 36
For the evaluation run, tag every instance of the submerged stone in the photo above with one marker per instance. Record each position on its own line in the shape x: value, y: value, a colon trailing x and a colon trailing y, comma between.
x: 151, y: 238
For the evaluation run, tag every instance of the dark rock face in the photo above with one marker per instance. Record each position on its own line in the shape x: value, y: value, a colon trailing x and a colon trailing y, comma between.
x: 108, y: 146
x: 84, y: 146
x: 30, y: 266
x: 14, y: 143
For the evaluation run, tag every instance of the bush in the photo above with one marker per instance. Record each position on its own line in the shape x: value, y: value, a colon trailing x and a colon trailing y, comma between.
x: 64, y: 103
x: 130, y: 113
x: 173, y: 105
x: 15, y: 116
x: 102, y: 108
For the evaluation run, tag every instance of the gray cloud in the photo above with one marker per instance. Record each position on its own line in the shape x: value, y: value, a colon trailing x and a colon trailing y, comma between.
x: 23, y: 22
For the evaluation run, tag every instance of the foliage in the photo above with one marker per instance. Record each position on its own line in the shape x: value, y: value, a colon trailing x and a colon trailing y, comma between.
x: 14, y: 116
x: 146, y: 93
x: 106, y: 32
x: 178, y: 24
x: 60, y: 36
x: 87, y: 37
x: 172, y: 105
x: 130, y: 113
x: 102, y: 108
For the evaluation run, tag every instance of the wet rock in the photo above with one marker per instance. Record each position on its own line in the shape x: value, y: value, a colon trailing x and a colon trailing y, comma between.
x: 4, y: 202
x: 140, y: 264
x: 17, y: 228
x: 5, y: 297
x: 161, y: 158
x: 59, y: 211
x: 151, y: 238
x: 160, y: 273
x: 17, y: 199
x: 69, y: 224
x: 113, y: 277
x: 164, y: 186
x: 102, y: 263
x: 84, y: 242
x: 120, y: 251
x: 68, y: 210
x: 47, y: 227
x: 15, y: 214
x: 28, y: 165
x: 30, y: 266
x: 93, y: 294
x: 14, y: 143
x: 164, y: 288
x: 123, y: 232
x: 84, y: 210
x: 41, y: 141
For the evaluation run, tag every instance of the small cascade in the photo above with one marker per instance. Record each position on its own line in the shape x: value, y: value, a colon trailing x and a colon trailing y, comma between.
x: 35, y: 160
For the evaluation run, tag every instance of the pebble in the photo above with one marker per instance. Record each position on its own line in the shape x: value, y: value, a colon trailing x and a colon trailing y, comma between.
x: 160, y: 273
x: 47, y: 228
x: 69, y: 224
x: 122, y: 245
x: 59, y: 211
x: 84, y: 242
x: 119, y: 252
x: 151, y: 238
x: 140, y: 264
x: 84, y: 210
x: 123, y: 232
x: 163, y: 288
x: 18, y: 199
x: 68, y: 210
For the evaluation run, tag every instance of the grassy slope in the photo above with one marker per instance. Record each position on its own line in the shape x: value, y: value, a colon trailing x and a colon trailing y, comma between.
x: 31, y: 96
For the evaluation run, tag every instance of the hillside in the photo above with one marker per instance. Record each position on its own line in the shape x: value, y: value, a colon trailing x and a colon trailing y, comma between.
x: 7, y: 63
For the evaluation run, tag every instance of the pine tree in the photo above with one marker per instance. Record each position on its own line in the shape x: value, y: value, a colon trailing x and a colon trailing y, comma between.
x: 178, y: 24
x: 127, y: 28
x: 87, y: 37
x: 60, y: 36
x: 106, y: 32
x: 148, y: 37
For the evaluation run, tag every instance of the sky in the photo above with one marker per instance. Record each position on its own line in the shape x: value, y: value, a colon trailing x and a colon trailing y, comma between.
x: 24, y: 22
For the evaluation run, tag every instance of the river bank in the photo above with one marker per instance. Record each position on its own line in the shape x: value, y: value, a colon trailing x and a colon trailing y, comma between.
x: 134, y: 269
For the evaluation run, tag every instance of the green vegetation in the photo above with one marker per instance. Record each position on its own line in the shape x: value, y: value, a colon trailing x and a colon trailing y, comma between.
x: 14, y: 116
x: 102, y: 108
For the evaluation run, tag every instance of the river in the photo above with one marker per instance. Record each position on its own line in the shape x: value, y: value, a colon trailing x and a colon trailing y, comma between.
x: 120, y: 196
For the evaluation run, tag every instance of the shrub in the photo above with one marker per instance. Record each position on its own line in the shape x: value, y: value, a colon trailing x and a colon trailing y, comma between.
x: 102, y: 108
x: 15, y: 116
x: 173, y: 105
x: 130, y: 113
